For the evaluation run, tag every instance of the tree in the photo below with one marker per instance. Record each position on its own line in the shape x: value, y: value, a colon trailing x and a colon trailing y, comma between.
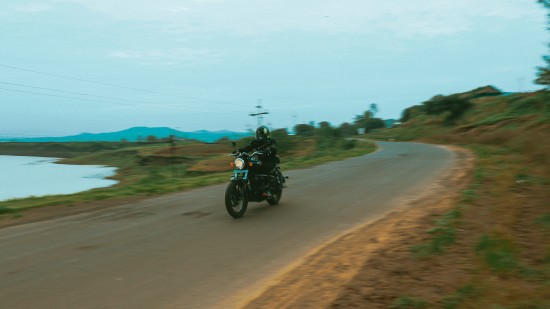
x: 326, y: 130
x: 374, y: 123
x: 373, y: 109
x: 284, y: 142
x: 367, y: 122
x: 151, y: 138
x: 347, y: 129
x: 544, y: 72
x: 410, y: 112
x: 453, y: 104
x: 304, y: 129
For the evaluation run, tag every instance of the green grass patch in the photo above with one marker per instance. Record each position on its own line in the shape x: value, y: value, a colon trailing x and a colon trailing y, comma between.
x: 544, y: 221
x: 337, y: 151
x: 405, y: 302
x: 6, y: 210
x: 498, y: 253
x: 461, y: 295
x: 469, y: 195
x: 443, y: 235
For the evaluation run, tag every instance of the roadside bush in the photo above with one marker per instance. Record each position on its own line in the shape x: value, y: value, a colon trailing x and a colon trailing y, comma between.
x: 6, y: 210
x: 285, y: 142
x: 454, y: 105
x: 349, y: 144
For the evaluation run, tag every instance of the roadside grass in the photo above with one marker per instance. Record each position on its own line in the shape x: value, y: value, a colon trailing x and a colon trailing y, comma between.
x: 442, y: 236
x: 496, y: 238
x: 544, y: 221
x: 6, y: 210
x: 338, y: 150
x: 504, y: 219
x: 147, y: 170
x: 406, y: 302
x: 462, y: 294
x: 497, y: 253
x: 503, y: 246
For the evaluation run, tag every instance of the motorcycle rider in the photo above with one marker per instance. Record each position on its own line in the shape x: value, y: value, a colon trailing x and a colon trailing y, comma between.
x: 268, y: 147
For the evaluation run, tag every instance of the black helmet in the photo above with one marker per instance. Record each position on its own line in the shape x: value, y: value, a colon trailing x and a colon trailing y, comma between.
x: 262, y: 133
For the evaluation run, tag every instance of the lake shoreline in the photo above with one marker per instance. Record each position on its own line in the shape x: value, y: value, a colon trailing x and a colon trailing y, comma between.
x: 41, y: 176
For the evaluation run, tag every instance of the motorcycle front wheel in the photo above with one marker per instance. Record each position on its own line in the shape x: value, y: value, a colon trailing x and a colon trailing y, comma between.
x: 236, y: 199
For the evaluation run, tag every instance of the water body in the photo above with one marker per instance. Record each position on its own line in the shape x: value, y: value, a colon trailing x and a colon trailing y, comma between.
x: 38, y: 176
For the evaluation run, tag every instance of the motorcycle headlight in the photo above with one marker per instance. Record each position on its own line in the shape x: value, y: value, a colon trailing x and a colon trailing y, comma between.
x: 239, y: 163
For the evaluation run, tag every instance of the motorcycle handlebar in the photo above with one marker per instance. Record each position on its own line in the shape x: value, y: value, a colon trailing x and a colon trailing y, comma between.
x: 236, y: 154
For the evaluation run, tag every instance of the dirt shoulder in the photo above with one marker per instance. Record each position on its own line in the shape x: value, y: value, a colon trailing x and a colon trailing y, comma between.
x: 371, y: 266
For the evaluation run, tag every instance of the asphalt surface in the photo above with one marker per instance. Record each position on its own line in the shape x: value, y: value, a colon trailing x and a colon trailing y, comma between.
x: 184, y: 251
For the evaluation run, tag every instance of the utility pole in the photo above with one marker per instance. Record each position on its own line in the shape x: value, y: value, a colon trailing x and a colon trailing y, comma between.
x: 259, y: 113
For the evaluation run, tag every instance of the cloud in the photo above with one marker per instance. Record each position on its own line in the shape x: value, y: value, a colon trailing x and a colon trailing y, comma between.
x: 186, y: 56
x: 32, y: 8
x: 178, y: 9
x: 249, y: 17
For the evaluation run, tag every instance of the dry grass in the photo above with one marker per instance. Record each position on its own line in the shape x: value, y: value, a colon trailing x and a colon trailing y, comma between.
x: 218, y: 163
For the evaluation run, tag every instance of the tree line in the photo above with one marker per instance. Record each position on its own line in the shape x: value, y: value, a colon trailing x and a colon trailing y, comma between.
x: 364, y: 123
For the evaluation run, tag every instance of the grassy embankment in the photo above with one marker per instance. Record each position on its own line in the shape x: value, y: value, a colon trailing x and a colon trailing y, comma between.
x: 496, y: 239
x: 152, y: 169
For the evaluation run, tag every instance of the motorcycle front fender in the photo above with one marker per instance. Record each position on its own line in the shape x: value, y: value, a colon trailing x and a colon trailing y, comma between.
x: 240, y: 175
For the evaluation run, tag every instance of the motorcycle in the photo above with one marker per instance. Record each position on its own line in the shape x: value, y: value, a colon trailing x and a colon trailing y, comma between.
x: 248, y: 184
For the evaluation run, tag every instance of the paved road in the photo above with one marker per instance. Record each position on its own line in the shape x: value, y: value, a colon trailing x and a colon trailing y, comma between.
x: 184, y: 251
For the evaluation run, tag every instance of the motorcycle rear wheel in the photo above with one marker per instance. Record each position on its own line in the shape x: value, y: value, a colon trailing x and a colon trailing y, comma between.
x: 275, y: 197
x: 236, y: 199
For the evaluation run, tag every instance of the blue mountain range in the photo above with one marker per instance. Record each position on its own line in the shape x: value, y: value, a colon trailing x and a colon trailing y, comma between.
x: 136, y: 134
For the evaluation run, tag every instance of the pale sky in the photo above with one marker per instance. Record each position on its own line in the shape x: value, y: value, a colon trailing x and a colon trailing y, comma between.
x: 203, y: 64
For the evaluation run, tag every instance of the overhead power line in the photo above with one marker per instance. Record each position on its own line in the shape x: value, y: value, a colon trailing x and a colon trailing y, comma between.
x: 120, y: 86
x: 118, y: 103
x: 153, y: 105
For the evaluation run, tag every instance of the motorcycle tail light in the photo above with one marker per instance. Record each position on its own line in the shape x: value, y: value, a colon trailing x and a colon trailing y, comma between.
x: 232, y: 164
x: 250, y: 164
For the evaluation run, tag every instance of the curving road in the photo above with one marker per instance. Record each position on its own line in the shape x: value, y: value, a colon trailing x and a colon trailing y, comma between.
x: 184, y: 251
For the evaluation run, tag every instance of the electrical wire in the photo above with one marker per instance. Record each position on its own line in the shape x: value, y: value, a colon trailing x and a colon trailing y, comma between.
x: 118, y: 103
x: 119, y: 86
x: 104, y: 97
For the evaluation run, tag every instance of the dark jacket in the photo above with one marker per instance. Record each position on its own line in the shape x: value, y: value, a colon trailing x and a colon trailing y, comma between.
x: 268, y: 146
x: 269, y: 159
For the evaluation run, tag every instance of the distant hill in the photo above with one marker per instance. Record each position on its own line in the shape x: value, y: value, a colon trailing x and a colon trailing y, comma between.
x: 481, y: 92
x: 136, y: 134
